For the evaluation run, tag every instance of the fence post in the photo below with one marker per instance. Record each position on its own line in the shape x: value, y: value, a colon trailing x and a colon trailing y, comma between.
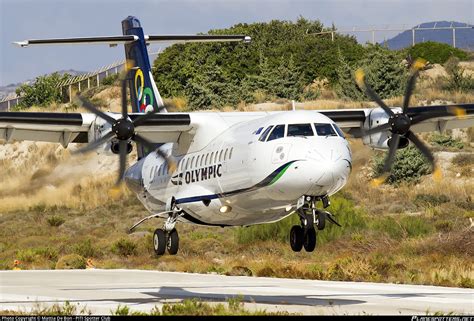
x: 454, y: 37
x: 413, y: 36
x: 98, y: 79
x: 88, y: 83
x: 8, y: 105
x: 70, y: 92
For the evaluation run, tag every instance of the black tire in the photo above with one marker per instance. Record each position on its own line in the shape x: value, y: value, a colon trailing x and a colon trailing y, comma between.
x: 296, y: 238
x: 172, y: 243
x: 159, y: 242
x: 310, y: 240
x: 321, y: 220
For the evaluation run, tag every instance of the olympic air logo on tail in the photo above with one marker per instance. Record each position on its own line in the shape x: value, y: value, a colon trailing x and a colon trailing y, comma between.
x: 197, y: 175
x: 145, y: 98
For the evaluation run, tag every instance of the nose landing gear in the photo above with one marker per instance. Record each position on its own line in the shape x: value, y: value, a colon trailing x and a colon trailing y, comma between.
x: 304, y: 235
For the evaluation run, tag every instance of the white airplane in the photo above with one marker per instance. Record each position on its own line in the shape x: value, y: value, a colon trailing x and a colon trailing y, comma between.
x: 230, y: 169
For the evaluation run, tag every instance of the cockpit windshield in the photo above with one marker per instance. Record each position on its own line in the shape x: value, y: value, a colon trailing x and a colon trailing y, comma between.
x: 325, y: 130
x: 300, y: 130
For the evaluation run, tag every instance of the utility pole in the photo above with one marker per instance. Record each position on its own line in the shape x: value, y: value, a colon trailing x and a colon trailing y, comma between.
x: 454, y: 37
x: 413, y: 36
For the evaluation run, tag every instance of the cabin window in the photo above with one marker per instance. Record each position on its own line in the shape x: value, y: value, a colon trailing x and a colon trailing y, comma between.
x: 230, y: 153
x: 300, y: 130
x: 187, y: 164
x: 215, y: 157
x: 277, y: 132
x: 220, y: 155
x: 325, y: 130
x: 225, y: 154
x: 265, y: 134
x: 211, y: 158
x: 207, y: 159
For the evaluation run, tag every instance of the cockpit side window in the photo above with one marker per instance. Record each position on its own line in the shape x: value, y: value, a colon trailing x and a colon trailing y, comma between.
x: 300, y: 130
x: 325, y: 130
x: 339, y: 131
x: 258, y: 131
x: 277, y: 132
x: 265, y: 134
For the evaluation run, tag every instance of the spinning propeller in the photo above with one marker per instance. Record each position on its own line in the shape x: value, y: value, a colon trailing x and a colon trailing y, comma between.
x: 123, y: 130
x: 399, y: 123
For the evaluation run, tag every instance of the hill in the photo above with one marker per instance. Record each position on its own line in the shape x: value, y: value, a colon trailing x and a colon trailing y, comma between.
x: 464, y: 37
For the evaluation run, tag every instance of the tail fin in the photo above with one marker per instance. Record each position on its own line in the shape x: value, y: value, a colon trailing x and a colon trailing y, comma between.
x: 143, y: 91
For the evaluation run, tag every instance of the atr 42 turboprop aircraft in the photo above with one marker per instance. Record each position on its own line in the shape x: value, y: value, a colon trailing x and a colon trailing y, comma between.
x: 230, y: 169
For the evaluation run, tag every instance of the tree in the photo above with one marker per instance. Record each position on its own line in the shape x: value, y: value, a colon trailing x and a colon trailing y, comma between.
x: 43, y: 92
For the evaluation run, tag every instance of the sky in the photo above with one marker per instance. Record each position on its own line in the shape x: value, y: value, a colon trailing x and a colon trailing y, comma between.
x: 29, y: 19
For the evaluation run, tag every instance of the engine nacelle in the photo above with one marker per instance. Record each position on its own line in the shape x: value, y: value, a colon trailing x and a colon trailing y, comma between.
x: 114, y: 147
x: 375, y: 118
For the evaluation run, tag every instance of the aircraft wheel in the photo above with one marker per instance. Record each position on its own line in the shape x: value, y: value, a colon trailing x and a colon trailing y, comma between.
x: 310, y: 240
x: 159, y: 242
x: 321, y: 220
x: 173, y: 242
x: 296, y: 238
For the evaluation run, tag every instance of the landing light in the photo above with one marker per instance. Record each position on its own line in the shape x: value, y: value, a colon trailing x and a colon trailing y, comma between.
x: 225, y: 209
x: 288, y: 208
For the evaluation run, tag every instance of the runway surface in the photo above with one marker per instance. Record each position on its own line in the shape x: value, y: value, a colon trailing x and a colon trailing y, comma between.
x: 101, y: 291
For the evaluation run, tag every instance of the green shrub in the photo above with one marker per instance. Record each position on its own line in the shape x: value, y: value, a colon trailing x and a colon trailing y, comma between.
x: 110, y: 80
x: 383, y: 72
x: 430, y: 200
x: 457, y: 79
x: 446, y: 141
x: 71, y: 261
x: 402, y: 226
x: 124, y: 247
x: 42, y: 92
x: 86, y: 249
x: 26, y: 255
x: 409, y: 166
x: 436, y: 52
x: 55, y: 221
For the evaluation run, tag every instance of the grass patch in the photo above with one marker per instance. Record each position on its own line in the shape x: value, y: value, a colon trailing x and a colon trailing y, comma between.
x: 55, y: 221
x: 446, y: 141
x: 463, y: 160
x: 430, y: 200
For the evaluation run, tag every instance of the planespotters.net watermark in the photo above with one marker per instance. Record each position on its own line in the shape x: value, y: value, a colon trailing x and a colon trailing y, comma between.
x: 441, y: 318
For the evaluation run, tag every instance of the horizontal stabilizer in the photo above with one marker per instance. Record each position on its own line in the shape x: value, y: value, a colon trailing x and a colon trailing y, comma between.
x: 110, y: 40
x: 116, y: 40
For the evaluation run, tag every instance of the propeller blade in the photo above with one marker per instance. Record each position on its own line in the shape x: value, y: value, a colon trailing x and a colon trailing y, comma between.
x: 422, y: 147
x: 391, y: 153
x: 94, y: 145
x: 376, y: 130
x: 388, y: 161
x: 415, y: 69
x: 87, y: 105
x: 362, y: 83
x: 124, y: 99
x: 123, y: 160
x: 169, y: 161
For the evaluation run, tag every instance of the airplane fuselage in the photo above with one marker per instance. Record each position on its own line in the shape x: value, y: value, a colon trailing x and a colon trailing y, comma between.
x: 242, y: 172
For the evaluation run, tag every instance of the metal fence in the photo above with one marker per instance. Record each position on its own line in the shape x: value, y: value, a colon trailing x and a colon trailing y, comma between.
x: 76, y: 83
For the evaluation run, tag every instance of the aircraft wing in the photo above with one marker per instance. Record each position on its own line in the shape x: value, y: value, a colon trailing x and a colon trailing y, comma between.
x: 436, y: 118
x: 68, y: 128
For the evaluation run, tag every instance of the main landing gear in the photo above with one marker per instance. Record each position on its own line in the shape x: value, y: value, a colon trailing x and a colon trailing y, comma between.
x: 167, y: 238
x: 311, y: 218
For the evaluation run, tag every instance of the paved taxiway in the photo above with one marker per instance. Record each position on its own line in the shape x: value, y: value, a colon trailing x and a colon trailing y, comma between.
x: 103, y: 290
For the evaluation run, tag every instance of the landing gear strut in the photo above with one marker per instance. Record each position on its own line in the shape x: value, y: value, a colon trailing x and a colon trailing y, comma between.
x: 304, y: 235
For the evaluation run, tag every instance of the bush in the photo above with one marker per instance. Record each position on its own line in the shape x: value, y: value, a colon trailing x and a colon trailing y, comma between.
x: 124, y: 247
x: 383, y: 70
x: 409, y: 166
x: 55, y: 221
x: 110, y: 80
x: 71, y: 261
x: 457, y: 79
x: 446, y: 141
x: 430, y: 200
x: 435, y: 52
x: 43, y: 92
x: 86, y: 249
